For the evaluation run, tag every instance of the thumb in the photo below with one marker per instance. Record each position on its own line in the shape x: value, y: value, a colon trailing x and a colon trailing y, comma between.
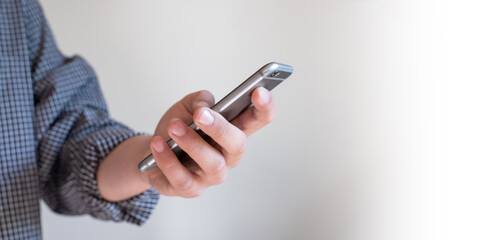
x: 198, y: 99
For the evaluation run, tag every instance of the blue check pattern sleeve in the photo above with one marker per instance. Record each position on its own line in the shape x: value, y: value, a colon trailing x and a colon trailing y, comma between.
x: 74, y: 131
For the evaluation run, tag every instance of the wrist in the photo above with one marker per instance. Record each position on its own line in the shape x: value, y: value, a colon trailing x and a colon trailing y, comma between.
x: 118, y: 176
x: 143, y: 143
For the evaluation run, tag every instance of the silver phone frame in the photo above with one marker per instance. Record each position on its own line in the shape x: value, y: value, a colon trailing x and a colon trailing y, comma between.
x: 233, y: 103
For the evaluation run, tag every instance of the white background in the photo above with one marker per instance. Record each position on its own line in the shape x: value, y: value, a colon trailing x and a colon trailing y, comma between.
x: 381, y: 132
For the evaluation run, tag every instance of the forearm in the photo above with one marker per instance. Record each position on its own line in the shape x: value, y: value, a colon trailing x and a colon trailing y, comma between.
x: 118, y: 176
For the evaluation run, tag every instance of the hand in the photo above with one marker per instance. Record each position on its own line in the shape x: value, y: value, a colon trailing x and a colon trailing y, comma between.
x: 211, y: 161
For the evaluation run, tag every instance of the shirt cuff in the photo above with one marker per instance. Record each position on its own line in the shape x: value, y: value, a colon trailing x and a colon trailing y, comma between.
x: 96, y: 146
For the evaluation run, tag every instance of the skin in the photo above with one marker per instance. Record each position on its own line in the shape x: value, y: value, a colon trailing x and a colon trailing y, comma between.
x: 119, y: 179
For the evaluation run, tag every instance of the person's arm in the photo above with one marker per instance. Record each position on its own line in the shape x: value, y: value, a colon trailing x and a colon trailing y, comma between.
x: 74, y: 131
x: 119, y: 177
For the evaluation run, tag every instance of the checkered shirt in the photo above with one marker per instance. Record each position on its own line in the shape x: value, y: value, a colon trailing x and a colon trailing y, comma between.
x: 54, y: 130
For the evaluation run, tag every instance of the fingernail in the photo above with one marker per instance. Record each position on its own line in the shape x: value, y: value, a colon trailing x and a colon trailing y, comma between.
x: 178, y: 129
x: 265, y: 96
x: 206, y: 118
x: 158, y: 146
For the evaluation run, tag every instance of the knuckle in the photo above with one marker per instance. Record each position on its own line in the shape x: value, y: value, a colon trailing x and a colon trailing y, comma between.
x: 240, y: 150
x: 184, y: 185
x: 195, y: 147
x: 235, y: 163
x: 156, y: 179
x: 220, y: 178
x: 170, y: 192
x: 205, y: 95
x: 264, y: 116
x: 270, y: 116
x: 169, y: 167
x: 221, y: 130
x: 202, y: 93
x: 218, y: 166
x: 185, y: 98
x: 193, y: 194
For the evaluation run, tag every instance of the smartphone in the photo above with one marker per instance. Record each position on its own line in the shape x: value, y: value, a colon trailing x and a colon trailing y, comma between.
x: 269, y: 76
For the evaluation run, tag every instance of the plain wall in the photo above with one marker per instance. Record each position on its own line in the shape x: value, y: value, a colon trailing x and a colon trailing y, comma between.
x: 362, y: 145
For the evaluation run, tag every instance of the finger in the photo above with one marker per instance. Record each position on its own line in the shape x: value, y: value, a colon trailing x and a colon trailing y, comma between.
x: 206, y: 156
x: 178, y: 176
x: 261, y: 114
x: 231, y: 139
x: 160, y: 183
x: 193, y: 101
